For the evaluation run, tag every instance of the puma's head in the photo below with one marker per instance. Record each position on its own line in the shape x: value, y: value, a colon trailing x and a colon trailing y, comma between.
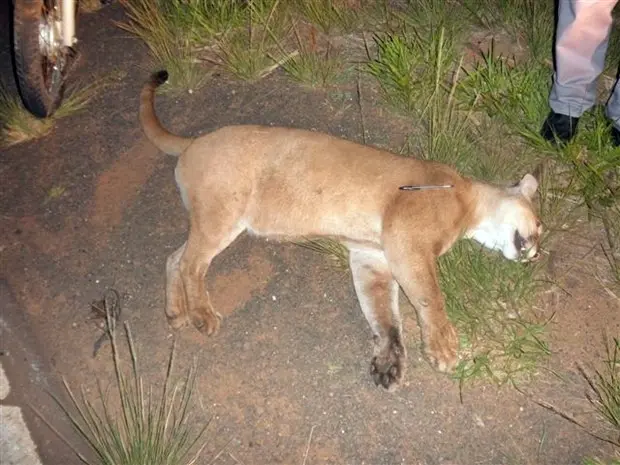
x: 509, y: 222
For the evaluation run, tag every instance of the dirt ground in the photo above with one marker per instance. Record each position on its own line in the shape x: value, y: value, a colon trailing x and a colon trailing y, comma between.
x: 286, y: 381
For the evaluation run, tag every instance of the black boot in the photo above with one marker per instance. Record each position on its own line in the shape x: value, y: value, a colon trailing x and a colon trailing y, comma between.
x: 559, y: 128
x: 615, y: 136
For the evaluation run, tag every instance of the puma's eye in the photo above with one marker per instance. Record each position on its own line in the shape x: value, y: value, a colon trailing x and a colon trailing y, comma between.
x: 519, y: 241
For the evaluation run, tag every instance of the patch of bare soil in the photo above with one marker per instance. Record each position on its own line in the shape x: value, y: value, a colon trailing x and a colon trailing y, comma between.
x: 286, y: 381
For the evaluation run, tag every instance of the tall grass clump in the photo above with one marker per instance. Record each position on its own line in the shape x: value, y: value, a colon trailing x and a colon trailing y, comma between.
x: 312, y: 65
x: 247, y: 52
x: 139, y: 426
x: 411, y: 64
x: 395, y: 68
x: 170, y: 46
x: 517, y: 93
x: 330, y: 16
x: 604, y: 391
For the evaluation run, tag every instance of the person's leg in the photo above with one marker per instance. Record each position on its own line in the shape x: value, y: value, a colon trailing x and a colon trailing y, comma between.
x: 612, y: 110
x: 581, y: 44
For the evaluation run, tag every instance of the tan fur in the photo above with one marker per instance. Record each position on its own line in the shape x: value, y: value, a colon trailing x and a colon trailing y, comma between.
x: 289, y: 183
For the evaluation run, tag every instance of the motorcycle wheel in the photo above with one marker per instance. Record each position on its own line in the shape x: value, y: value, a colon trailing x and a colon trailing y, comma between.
x: 41, y: 60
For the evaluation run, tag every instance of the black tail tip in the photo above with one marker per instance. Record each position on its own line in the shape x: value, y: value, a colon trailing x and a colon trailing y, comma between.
x: 160, y: 77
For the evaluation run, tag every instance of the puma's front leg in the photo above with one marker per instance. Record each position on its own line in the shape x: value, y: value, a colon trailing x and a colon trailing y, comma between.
x: 413, y: 265
x: 377, y: 293
x: 417, y: 276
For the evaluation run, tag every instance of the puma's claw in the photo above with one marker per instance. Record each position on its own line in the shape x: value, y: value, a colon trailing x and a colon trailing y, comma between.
x: 441, y: 347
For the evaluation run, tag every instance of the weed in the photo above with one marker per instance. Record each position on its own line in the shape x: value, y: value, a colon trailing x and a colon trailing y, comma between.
x: 148, y: 428
x: 246, y: 52
x: 517, y: 93
x: 537, y: 25
x: 412, y: 68
x: 604, y: 385
x: 314, y: 68
x: 595, y: 169
x: 428, y: 18
x: 329, y: 15
x: 204, y: 21
x: 494, y: 14
x: 171, y: 47
x: 398, y: 59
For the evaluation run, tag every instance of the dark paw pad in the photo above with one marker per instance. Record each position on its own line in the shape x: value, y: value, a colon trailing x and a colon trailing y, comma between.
x: 387, y: 375
x: 387, y: 367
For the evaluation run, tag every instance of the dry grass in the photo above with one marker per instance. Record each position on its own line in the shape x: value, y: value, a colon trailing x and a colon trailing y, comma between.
x: 18, y: 125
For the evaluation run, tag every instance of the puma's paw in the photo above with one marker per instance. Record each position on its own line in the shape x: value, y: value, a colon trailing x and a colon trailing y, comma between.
x: 441, y: 345
x: 206, y: 320
x: 387, y: 367
x: 177, y: 321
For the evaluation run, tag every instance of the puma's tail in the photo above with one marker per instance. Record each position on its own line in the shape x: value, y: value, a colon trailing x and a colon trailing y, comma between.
x: 155, y: 132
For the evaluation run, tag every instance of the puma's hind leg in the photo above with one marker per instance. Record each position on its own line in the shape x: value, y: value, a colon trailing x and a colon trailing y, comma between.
x: 176, y: 307
x: 214, y: 224
x: 377, y: 292
x: 204, y: 243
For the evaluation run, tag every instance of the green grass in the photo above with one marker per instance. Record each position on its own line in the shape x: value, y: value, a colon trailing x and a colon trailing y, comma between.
x: 597, y: 461
x: 604, y: 394
x: 594, y: 170
x: 494, y: 14
x: 247, y: 52
x: 427, y: 18
x: 515, y: 93
x: 527, y: 21
x: 395, y: 68
x: 313, y: 66
x: 203, y: 20
x: 489, y: 300
x: 171, y: 47
x: 328, y: 15
x: 537, y: 26
x: 411, y: 66
x: 149, y: 427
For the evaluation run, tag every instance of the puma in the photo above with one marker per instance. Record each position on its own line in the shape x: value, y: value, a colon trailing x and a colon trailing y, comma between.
x: 289, y: 183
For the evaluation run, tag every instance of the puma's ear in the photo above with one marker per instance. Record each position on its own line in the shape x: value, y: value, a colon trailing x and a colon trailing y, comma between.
x: 527, y: 186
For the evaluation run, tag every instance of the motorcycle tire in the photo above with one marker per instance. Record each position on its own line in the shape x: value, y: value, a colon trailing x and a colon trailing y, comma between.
x: 40, y: 67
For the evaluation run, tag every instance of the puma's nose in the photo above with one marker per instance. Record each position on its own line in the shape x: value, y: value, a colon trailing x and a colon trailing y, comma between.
x: 530, y: 255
